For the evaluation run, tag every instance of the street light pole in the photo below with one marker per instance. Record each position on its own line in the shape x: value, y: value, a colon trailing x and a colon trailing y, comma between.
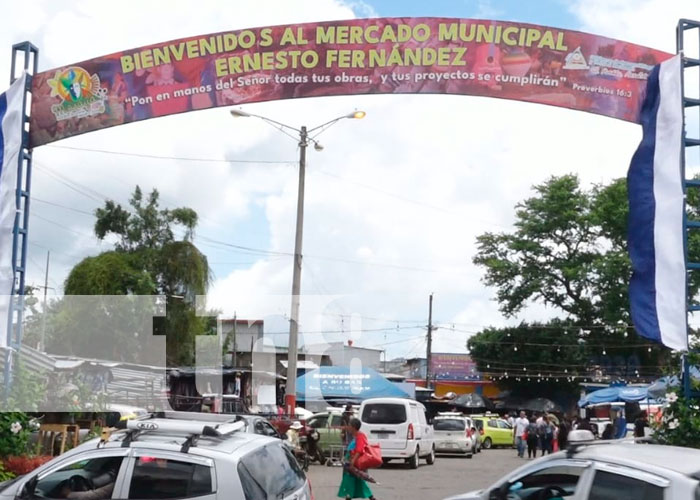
x: 291, y: 395
x: 304, y: 139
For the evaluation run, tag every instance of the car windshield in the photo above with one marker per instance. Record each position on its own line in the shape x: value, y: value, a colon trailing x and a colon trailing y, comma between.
x: 448, y: 424
x: 384, y: 413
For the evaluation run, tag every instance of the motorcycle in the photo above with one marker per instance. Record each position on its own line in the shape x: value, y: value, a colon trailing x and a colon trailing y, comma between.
x: 301, y: 454
x: 309, y: 442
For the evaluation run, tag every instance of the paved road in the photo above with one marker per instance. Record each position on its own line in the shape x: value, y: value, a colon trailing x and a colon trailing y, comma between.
x: 448, y: 476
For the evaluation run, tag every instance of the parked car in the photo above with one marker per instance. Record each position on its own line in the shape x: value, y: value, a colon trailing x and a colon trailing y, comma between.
x: 400, y: 427
x: 255, y: 424
x: 170, y: 457
x: 327, y: 424
x: 455, y: 433
x: 615, y: 470
x: 494, y: 431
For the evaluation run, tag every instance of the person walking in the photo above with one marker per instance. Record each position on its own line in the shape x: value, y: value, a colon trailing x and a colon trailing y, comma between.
x: 563, y: 436
x: 352, y: 485
x: 547, y: 435
x: 640, y: 424
x: 532, y: 439
x: 344, y: 424
x: 519, y: 430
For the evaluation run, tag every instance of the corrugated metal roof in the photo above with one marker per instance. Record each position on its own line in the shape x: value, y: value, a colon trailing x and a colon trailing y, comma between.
x: 31, y: 359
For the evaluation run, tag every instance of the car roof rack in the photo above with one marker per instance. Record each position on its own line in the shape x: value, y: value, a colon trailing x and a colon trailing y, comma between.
x: 155, y: 424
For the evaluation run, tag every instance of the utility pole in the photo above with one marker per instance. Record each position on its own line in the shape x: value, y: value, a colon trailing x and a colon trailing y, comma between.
x: 291, y: 396
x: 428, y: 353
x: 43, y: 307
x: 235, y: 357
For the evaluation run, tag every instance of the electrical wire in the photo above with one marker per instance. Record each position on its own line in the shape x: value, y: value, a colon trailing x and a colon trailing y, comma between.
x: 178, y: 158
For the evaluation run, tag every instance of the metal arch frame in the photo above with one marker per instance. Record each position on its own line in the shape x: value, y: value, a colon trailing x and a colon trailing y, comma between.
x: 685, y: 25
x: 28, y: 55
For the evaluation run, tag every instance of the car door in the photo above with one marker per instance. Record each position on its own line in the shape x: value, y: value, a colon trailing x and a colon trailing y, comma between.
x: 156, y: 474
x: 335, y: 429
x: 568, y: 476
x: 99, y: 470
x: 505, y: 433
x: 613, y: 482
x: 426, y: 429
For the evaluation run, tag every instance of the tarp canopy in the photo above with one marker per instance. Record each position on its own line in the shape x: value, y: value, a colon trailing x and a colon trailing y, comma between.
x: 614, y: 394
x: 542, y: 405
x: 473, y: 400
x: 343, y: 382
x: 663, y: 385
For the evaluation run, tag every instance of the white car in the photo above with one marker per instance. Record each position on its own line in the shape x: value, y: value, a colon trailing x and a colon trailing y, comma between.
x: 454, y: 433
x: 616, y: 470
x: 210, y: 458
x: 401, y: 429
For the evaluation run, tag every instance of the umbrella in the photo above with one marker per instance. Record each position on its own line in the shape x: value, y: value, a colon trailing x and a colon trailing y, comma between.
x: 542, y: 405
x: 473, y: 400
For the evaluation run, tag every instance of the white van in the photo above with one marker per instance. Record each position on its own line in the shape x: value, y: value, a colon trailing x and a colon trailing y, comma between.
x: 400, y: 428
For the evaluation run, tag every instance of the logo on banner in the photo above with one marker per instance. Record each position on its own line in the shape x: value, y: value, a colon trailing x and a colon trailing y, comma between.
x: 81, y: 94
x: 575, y: 60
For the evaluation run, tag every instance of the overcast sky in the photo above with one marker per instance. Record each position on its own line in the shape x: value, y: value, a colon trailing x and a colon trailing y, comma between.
x: 393, y: 203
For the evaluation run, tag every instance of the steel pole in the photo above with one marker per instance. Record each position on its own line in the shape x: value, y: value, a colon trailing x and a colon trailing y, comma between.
x: 43, y: 307
x: 429, y: 347
x: 291, y: 395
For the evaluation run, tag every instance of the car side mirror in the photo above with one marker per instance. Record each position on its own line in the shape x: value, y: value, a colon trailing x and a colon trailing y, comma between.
x: 29, y: 488
x: 284, y: 437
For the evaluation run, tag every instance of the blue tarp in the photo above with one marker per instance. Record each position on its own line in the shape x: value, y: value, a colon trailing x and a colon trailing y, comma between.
x: 614, y: 394
x: 342, y: 382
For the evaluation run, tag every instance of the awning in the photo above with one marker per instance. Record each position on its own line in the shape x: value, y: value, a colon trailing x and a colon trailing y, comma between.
x: 302, y: 364
x: 342, y: 382
x: 614, y: 394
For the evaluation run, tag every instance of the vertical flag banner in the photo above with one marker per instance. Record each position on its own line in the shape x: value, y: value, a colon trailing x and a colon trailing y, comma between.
x: 11, y: 111
x: 655, y: 233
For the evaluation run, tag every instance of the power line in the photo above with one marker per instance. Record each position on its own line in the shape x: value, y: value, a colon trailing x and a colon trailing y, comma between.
x: 58, y: 224
x: 62, y: 206
x: 178, y: 158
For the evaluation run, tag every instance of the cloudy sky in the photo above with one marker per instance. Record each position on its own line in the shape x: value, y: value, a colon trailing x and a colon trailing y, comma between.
x: 393, y: 203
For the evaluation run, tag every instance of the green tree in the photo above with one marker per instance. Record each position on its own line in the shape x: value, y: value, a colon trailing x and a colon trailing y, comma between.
x: 568, y: 252
x: 531, y: 359
x: 149, y: 259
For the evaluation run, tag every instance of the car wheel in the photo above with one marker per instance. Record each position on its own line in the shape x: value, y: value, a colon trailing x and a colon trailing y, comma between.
x: 430, y: 459
x: 414, y: 460
x: 487, y: 444
x: 470, y: 455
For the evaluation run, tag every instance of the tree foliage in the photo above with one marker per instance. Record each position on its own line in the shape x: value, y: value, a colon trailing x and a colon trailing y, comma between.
x: 527, y: 358
x: 568, y: 252
x: 149, y: 259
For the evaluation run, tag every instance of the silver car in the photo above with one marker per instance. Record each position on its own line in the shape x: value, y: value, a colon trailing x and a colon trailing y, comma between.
x: 620, y: 470
x: 210, y: 458
x: 454, y: 433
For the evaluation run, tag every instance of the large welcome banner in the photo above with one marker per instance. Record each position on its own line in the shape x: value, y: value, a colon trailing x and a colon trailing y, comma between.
x: 363, y: 56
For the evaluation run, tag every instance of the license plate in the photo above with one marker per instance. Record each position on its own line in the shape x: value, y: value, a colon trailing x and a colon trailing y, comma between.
x: 382, y: 435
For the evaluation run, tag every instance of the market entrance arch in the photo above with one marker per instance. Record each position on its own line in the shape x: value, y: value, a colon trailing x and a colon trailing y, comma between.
x: 524, y: 62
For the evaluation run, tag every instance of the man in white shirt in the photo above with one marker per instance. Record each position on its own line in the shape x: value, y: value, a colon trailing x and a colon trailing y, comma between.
x: 521, y: 424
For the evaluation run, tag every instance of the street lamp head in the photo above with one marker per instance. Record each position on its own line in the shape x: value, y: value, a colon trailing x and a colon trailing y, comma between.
x: 239, y: 113
x: 358, y: 115
x: 318, y: 146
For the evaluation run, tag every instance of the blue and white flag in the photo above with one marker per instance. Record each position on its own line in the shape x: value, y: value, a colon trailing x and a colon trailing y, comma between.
x: 655, y: 232
x: 11, y: 111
